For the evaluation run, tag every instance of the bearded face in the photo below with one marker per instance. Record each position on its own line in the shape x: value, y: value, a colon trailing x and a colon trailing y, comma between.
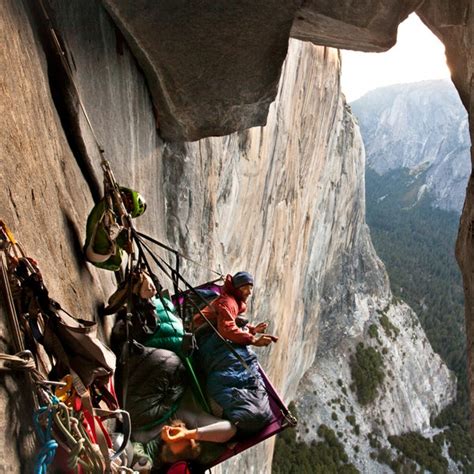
x: 245, y: 292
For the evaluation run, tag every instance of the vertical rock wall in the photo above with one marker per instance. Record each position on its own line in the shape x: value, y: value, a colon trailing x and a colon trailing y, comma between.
x: 39, y: 203
x: 266, y: 201
x: 284, y: 201
x: 453, y: 24
x: 248, y: 200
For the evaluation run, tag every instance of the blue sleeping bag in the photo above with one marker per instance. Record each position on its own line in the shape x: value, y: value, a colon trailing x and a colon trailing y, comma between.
x: 241, y: 395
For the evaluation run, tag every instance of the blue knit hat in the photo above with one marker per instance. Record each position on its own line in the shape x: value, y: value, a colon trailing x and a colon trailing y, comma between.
x: 241, y: 279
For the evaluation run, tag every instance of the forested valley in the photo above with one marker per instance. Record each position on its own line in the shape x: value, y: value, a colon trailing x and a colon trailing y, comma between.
x: 416, y: 242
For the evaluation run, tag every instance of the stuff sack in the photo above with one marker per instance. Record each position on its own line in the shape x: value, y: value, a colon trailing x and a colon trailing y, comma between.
x: 156, y: 382
x: 75, y: 345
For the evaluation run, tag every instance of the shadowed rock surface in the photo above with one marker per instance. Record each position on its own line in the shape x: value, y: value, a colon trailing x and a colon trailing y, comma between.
x: 368, y: 25
x: 213, y: 68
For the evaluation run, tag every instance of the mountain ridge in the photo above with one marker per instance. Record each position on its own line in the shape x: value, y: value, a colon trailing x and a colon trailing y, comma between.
x: 406, y: 125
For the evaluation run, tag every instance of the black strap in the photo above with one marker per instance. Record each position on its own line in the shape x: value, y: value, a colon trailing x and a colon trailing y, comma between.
x: 167, y: 247
x: 143, y: 246
x: 125, y: 353
x: 175, y: 275
x: 142, y: 258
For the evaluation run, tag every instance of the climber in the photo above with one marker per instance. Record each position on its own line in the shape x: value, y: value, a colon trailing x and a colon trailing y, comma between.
x: 106, y: 236
x: 177, y: 437
x: 177, y: 442
x: 158, y: 395
x: 224, y: 313
x: 234, y: 382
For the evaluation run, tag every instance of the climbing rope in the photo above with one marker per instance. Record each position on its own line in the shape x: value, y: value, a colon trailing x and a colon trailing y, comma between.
x: 113, y: 196
x: 110, y: 184
x: 58, y: 44
x: 21, y: 361
x: 7, y: 246
x: 11, y: 251
x: 48, y: 450
x: 112, y: 193
x: 54, y: 415
x: 24, y: 362
x: 114, y: 201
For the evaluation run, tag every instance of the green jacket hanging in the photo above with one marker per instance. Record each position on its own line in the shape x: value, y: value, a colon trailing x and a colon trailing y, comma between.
x: 105, y: 238
x: 170, y: 332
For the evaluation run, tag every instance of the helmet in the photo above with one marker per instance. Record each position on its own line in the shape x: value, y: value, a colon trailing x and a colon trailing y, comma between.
x: 136, y: 202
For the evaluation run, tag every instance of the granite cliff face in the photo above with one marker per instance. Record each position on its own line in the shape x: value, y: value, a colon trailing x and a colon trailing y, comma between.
x: 365, y: 26
x: 170, y: 39
x: 360, y: 310
x: 285, y: 201
x: 422, y: 127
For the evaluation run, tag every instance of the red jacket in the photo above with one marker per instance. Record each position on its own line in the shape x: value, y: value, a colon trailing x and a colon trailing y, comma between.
x: 222, y: 314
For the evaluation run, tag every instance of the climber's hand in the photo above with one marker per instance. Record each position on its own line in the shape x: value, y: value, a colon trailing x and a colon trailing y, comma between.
x: 260, y: 327
x: 173, y: 434
x: 264, y: 340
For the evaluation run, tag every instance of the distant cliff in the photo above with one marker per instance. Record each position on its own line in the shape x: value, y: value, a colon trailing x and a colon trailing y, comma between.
x: 285, y: 202
x: 375, y: 373
x: 356, y: 308
x: 423, y: 127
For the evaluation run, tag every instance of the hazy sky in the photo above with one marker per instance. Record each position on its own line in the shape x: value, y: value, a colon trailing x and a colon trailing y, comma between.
x: 418, y: 55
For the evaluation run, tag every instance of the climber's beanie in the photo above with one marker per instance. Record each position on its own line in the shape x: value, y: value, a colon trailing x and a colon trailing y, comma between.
x: 241, y: 279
